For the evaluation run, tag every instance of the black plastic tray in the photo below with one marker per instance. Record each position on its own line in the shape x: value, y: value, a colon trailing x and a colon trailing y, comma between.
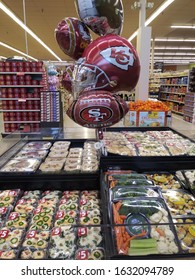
x: 147, y: 163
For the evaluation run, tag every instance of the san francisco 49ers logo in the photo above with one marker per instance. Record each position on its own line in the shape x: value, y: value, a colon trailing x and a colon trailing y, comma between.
x: 96, y: 114
x: 119, y: 56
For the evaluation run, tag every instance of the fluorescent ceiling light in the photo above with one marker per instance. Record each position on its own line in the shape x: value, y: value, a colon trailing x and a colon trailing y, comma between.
x: 28, y: 30
x: 153, y: 16
x: 18, y: 51
x: 175, y: 54
x: 173, y: 40
x: 183, y: 26
x: 174, y: 58
x: 158, y: 11
x: 174, y: 48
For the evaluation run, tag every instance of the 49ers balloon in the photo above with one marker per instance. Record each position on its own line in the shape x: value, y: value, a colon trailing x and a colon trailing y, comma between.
x: 97, y: 109
x: 110, y: 63
x: 101, y: 16
x: 72, y: 37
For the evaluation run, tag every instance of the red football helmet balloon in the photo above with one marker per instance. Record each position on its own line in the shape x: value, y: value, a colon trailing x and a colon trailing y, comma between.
x: 72, y: 36
x: 97, y: 109
x: 67, y: 78
x: 110, y: 63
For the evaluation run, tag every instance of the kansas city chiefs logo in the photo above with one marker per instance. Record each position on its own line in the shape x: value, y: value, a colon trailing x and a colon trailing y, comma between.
x: 119, y: 56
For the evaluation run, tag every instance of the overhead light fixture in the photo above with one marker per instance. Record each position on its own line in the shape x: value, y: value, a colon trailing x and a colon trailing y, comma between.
x: 173, y: 40
x: 174, y: 58
x: 18, y: 51
x: 174, y: 48
x: 175, y: 54
x: 183, y: 26
x: 153, y: 16
x: 28, y: 30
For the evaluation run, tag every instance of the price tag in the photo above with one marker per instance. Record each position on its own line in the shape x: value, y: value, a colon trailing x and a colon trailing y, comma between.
x: 83, y: 255
x: 21, y: 201
x: 63, y: 201
x: 12, y: 193
x: 31, y: 234
x: 20, y: 73
x: 82, y: 231
x: 13, y: 216
x: 3, y: 210
x: 56, y: 231
x: 59, y: 214
x: 83, y: 214
x: 37, y: 211
x: 4, y: 233
x: 83, y: 201
x: 153, y: 115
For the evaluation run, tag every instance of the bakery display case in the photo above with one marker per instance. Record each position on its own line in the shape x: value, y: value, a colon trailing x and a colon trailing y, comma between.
x: 127, y: 196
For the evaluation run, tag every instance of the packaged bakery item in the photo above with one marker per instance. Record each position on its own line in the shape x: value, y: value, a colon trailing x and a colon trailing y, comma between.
x: 72, y: 168
x: 37, y: 145
x: 4, y: 212
x: 89, y: 166
x: 24, y: 154
x: 88, y: 194
x: 89, y: 204
x: 51, y: 166
x: 25, y: 205
x: 48, y: 194
x: 60, y: 160
x: 32, y: 254
x: 89, y: 237
x: 90, y: 254
x: 71, y: 195
x: 185, y: 228
x: 48, y: 202
x: 58, y: 154
x: 8, y: 198
x: 10, y: 238
x: 34, y: 194
x: 90, y: 217
x: 21, y: 165
x: 66, y: 204
x: 62, y: 243
x: 63, y: 218
x: 175, y: 147
x: 180, y: 202
x: 8, y: 254
x: 17, y: 220
x: 42, y: 219
x: 165, y: 180
x: 36, y: 239
x: 61, y: 144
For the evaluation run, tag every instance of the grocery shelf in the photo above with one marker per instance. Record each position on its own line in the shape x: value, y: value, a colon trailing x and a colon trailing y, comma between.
x: 21, y: 73
x: 171, y: 100
x: 19, y: 86
x: 20, y: 110
x: 21, y: 121
x: 19, y: 98
x: 177, y: 85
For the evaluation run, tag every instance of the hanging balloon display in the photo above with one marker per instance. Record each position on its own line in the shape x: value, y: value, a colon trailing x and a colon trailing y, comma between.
x: 72, y: 36
x: 67, y: 78
x: 97, y: 109
x: 101, y: 16
x: 110, y: 63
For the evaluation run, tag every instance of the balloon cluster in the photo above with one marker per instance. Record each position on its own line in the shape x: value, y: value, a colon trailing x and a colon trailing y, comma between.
x: 102, y: 66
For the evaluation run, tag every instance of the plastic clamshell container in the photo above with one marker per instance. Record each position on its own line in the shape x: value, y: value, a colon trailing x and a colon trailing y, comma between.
x: 21, y: 165
x: 180, y: 202
x: 165, y: 180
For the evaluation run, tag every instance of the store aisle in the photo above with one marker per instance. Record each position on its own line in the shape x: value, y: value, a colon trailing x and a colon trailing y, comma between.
x: 71, y: 129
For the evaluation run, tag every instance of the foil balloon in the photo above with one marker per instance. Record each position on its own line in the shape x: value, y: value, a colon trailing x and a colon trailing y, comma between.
x: 101, y: 16
x: 72, y: 36
x: 110, y: 63
x: 97, y: 109
x: 67, y: 78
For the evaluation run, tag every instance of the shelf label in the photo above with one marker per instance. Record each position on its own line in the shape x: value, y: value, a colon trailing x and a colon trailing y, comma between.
x: 20, y: 73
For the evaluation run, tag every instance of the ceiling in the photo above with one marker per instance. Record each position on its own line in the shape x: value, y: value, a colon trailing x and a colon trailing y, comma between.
x: 43, y: 16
